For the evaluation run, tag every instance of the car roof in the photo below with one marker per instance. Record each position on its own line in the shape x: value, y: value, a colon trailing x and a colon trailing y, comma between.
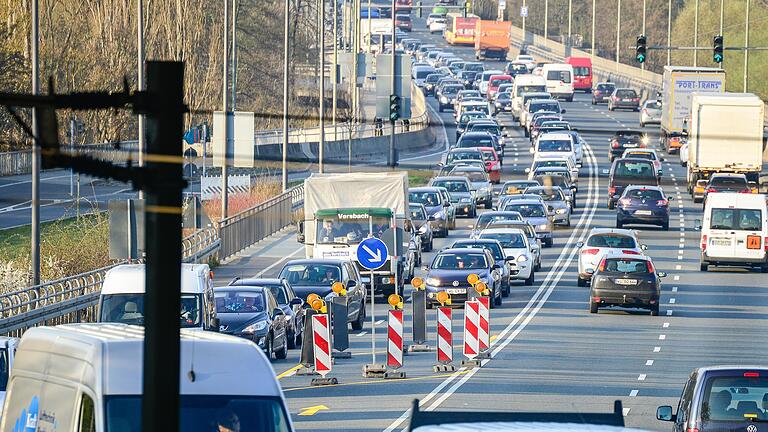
x: 644, y: 187
x: 503, y: 230
x: 461, y: 178
x: 466, y: 149
x: 527, y: 201
x: 462, y: 250
x: 612, y: 253
x: 256, y: 281
x: 727, y: 175
x: 468, y: 168
x: 329, y: 261
x: 622, y: 231
x: 555, y: 136
x: 424, y: 189
x: 474, y: 241
x: 479, y: 134
x: 131, y: 278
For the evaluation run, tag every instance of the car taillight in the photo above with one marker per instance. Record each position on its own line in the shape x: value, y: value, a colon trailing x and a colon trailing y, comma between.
x: 630, y: 252
x: 711, y: 190
x: 625, y: 201
x: 596, y: 299
x: 765, y: 244
x: 602, y: 265
x: 662, y: 203
x: 704, y: 242
x: 590, y: 251
x: 650, y: 267
x: 636, y: 100
x: 692, y: 429
x: 751, y: 374
x: 746, y: 191
x: 614, y: 144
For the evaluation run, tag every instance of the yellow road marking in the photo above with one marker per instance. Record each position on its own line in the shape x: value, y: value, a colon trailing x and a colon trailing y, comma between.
x: 289, y: 371
x: 310, y: 411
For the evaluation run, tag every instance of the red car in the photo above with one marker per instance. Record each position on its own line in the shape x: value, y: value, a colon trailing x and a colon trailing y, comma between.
x: 492, y: 164
x: 403, y: 22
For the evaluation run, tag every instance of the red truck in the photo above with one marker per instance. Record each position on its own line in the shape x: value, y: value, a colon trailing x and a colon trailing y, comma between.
x: 582, y: 73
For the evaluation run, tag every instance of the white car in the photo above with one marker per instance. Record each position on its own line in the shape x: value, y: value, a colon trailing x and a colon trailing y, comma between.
x: 437, y: 25
x: 648, y: 154
x: 554, y: 144
x: 684, y: 154
x: 432, y: 17
x: 601, y: 241
x: 526, y: 59
x: 482, y: 85
x: 517, y: 251
x: 553, y: 161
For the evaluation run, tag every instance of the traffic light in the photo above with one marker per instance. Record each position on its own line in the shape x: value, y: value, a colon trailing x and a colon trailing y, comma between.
x: 394, y: 107
x: 640, y: 49
x: 717, y: 55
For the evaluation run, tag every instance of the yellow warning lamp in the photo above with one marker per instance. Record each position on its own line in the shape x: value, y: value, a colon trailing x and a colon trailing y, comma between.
x: 473, y: 278
x: 311, y: 298
x: 338, y: 288
x: 418, y: 283
x: 444, y: 298
x: 318, y: 305
x: 481, y: 288
x: 395, y: 301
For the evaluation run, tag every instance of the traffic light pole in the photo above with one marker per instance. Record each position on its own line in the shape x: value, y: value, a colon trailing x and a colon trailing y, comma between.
x: 391, y: 157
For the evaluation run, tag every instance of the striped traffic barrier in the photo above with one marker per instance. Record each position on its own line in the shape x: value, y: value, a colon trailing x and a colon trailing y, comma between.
x: 321, y: 343
x: 471, y: 333
x: 484, y: 335
x: 395, y: 339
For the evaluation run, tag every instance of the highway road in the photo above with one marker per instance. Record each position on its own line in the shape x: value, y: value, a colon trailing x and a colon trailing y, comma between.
x: 549, y: 353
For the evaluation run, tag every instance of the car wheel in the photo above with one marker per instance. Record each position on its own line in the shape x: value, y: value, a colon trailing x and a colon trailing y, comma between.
x: 440, y: 108
x: 581, y: 282
x: 268, y: 349
x: 642, y: 124
x: 550, y: 242
x: 619, y: 223
x: 507, y: 288
x: 357, y: 324
x: 431, y: 244
x: 282, y: 353
x: 611, y: 204
x: 488, y: 204
x: 568, y: 222
x: 473, y: 213
x: 764, y: 268
x: 538, y: 266
x: 592, y: 307
x: 704, y: 266
x: 531, y: 279
x: 497, y: 299
x: 291, y: 340
x: 655, y: 310
x: 593, y: 102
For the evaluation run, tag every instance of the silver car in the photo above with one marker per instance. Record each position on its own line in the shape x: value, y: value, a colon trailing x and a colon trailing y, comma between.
x: 487, y: 218
x: 533, y: 240
x: 601, y: 241
x: 650, y: 113
x: 481, y: 184
x: 558, y: 204
x: 461, y: 193
x: 535, y: 212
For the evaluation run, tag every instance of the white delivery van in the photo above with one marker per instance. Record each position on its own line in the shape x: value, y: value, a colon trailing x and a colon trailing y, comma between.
x: 559, y: 78
x: 122, y: 296
x: 734, y: 231
x: 7, y: 353
x: 525, y: 84
x: 88, y: 377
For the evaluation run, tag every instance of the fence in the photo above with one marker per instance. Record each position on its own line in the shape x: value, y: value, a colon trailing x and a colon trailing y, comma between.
x: 20, y: 162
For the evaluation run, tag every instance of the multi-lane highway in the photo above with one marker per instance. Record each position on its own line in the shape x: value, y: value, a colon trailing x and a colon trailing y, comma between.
x: 549, y: 353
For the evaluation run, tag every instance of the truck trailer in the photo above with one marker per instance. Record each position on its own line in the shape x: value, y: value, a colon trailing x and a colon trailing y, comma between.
x: 492, y: 39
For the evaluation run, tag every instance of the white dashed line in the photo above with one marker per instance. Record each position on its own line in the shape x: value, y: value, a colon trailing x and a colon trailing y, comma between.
x: 362, y: 334
x: 677, y: 277
x: 649, y: 362
x: 678, y: 267
x: 672, y: 301
x: 656, y: 349
x: 662, y: 337
x: 674, y: 289
x: 669, y: 312
x: 641, y: 377
x: 379, y: 322
x: 625, y: 411
x: 633, y: 393
x: 665, y: 325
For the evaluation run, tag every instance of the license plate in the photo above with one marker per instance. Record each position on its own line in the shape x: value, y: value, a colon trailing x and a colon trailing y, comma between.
x: 456, y: 290
x: 630, y: 145
x: 626, y: 281
x: 720, y: 242
x: 643, y: 212
x: 627, y: 100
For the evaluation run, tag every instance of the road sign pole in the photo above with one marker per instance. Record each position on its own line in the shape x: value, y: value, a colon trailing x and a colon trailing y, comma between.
x: 372, y: 253
x: 373, y: 321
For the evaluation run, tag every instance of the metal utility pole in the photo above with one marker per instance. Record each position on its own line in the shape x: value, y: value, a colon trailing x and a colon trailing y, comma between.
x: 334, y: 71
x: 722, y: 12
x: 140, y: 69
x: 321, y: 144
x: 524, y: 22
x: 355, y: 27
x: 592, y: 44
x: 286, y: 58
x: 642, y: 65
x: 391, y: 159
x: 234, y: 56
x: 546, y: 19
x: 570, y: 17
x: 224, y: 93
x: 369, y: 25
x: 669, y: 32
x: 35, y: 147
x: 696, y: 33
x: 618, y: 34
x: 746, y: 51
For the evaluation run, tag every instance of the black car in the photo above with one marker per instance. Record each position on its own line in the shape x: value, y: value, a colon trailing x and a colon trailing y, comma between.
x: 467, y: 78
x: 316, y: 276
x: 602, y: 92
x: 629, y: 171
x: 625, y: 280
x: 451, y: 267
x: 497, y: 251
x: 287, y: 301
x: 251, y: 312
x: 623, y: 140
x: 721, y: 398
x: 430, y: 82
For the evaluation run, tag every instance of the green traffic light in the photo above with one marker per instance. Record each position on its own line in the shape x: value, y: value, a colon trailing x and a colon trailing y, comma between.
x: 640, y: 58
x: 718, y: 58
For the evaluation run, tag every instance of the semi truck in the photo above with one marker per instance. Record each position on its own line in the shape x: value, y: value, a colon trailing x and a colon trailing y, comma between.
x: 341, y: 210
x: 725, y: 135
x: 492, y: 39
x: 678, y: 84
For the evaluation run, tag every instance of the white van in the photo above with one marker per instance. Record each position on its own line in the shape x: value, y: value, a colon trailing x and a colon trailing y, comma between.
x: 734, y: 231
x: 7, y: 353
x: 482, y: 84
x: 525, y: 84
x: 88, y: 377
x: 122, y: 296
x: 559, y: 78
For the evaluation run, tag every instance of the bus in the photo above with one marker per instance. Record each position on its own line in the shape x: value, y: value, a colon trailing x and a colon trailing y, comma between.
x: 460, y: 30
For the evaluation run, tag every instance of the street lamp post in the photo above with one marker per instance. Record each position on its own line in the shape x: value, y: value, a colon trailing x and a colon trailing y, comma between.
x: 225, y: 100
x: 546, y: 19
x: 746, y: 51
x: 35, y: 204
x: 321, y: 144
x: 592, y: 43
x: 140, y: 79
x: 286, y: 58
x: 695, y: 33
x: 669, y: 32
x: 618, y: 34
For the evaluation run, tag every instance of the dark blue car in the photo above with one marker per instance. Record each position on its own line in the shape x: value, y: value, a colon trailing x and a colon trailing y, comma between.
x: 643, y: 205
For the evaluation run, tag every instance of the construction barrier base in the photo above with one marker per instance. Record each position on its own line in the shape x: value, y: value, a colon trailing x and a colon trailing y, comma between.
x: 420, y: 348
x: 324, y: 381
x: 471, y: 364
x: 394, y: 374
x: 306, y: 371
x: 483, y: 355
x: 374, y: 370
x: 341, y: 355
x: 444, y: 368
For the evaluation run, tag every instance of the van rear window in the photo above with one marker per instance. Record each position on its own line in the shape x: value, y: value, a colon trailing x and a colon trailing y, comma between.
x: 563, y: 76
x: 634, y: 169
x: 732, y: 400
x: 581, y: 71
x: 736, y: 219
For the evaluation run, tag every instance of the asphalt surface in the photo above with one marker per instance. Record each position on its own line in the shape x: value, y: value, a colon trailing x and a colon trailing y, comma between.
x: 548, y: 352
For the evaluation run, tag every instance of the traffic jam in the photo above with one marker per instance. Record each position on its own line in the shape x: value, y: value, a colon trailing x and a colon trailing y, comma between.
x: 433, y: 282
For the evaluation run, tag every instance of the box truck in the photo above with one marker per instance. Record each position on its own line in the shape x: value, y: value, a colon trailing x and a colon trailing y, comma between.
x: 492, y: 39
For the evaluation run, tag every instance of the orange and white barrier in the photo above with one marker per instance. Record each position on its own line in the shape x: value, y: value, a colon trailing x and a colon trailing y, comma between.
x: 322, y: 344
x: 444, y: 335
x: 395, y: 339
x: 471, y: 329
x: 484, y: 334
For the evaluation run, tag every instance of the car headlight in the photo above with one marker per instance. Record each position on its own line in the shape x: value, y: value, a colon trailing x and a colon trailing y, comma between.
x: 466, y: 200
x: 498, y: 104
x: 440, y: 215
x: 255, y: 327
x: 423, y: 229
x: 522, y: 258
x: 541, y: 227
x: 560, y: 211
x: 443, y: 99
x: 433, y: 281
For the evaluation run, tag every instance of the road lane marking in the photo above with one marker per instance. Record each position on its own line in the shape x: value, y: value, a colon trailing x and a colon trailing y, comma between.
x: 625, y: 411
x: 676, y: 277
x: 362, y: 333
x: 649, y: 362
x: 310, y: 411
x: 633, y: 393
x: 271, y: 266
x: 289, y: 372
x: 674, y: 289
x: 672, y: 300
x: 678, y: 267
x: 379, y: 322
x: 665, y: 325
x: 657, y: 349
x: 669, y: 312
x: 641, y: 377
x: 662, y: 337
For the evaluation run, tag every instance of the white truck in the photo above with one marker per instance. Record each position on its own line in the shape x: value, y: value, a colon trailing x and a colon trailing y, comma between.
x: 678, y: 84
x: 340, y: 210
x: 378, y: 30
x: 725, y: 134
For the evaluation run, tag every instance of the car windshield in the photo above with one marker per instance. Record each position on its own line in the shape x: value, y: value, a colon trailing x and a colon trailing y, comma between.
x: 204, y: 413
x: 736, y: 219
x: 545, y: 106
x: 452, y: 185
x: 494, y: 248
x: 653, y: 105
x: 5, y: 369
x: 311, y: 274
x: 423, y: 73
x: 550, y: 163
x: 527, y: 210
x: 728, y: 183
x: 518, y: 187
x: 647, y: 194
x: 239, y: 301
x: 547, y: 145
x: 429, y: 199
x: 581, y: 71
x: 474, y: 176
x: 433, y: 78
x: 484, y: 219
x: 606, y: 87
x: 128, y: 308
x: 530, y: 89
x: 475, y: 141
x: 641, y: 155
x: 611, y: 241
x: 348, y: 228
x: 417, y: 213
x: 465, y: 261
x: 628, y: 94
x: 564, y: 76
x: 547, y: 194
x: 507, y: 240
x: 489, y: 155
x: 634, y: 169
x: 466, y: 118
x: 456, y: 156
x: 733, y: 399
x: 493, y: 129
x: 625, y: 265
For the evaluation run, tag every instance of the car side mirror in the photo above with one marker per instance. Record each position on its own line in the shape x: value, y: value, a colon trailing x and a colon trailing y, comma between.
x: 589, y: 271
x: 643, y: 247
x: 662, y: 274
x: 297, y: 301
x: 580, y: 244
x: 697, y: 224
x: 431, y: 217
x: 562, y: 111
x: 425, y: 268
x: 496, y: 267
x: 664, y: 413
x: 446, y: 204
x: 606, y: 171
x: 662, y: 159
x: 351, y: 284
x: 276, y: 312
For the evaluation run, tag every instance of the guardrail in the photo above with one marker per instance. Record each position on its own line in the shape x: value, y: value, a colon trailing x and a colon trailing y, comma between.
x: 20, y: 162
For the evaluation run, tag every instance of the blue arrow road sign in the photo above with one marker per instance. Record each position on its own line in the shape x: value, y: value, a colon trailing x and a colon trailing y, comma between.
x: 372, y: 253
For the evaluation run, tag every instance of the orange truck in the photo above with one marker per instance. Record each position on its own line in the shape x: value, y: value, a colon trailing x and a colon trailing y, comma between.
x: 492, y: 39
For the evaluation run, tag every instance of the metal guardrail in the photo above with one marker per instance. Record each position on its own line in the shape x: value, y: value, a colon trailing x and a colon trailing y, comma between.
x: 20, y: 162
x: 15, y: 162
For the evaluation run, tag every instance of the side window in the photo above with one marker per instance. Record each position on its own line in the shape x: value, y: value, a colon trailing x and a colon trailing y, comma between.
x: 345, y: 274
x: 684, y: 406
x: 271, y: 301
x: 87, y: 414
